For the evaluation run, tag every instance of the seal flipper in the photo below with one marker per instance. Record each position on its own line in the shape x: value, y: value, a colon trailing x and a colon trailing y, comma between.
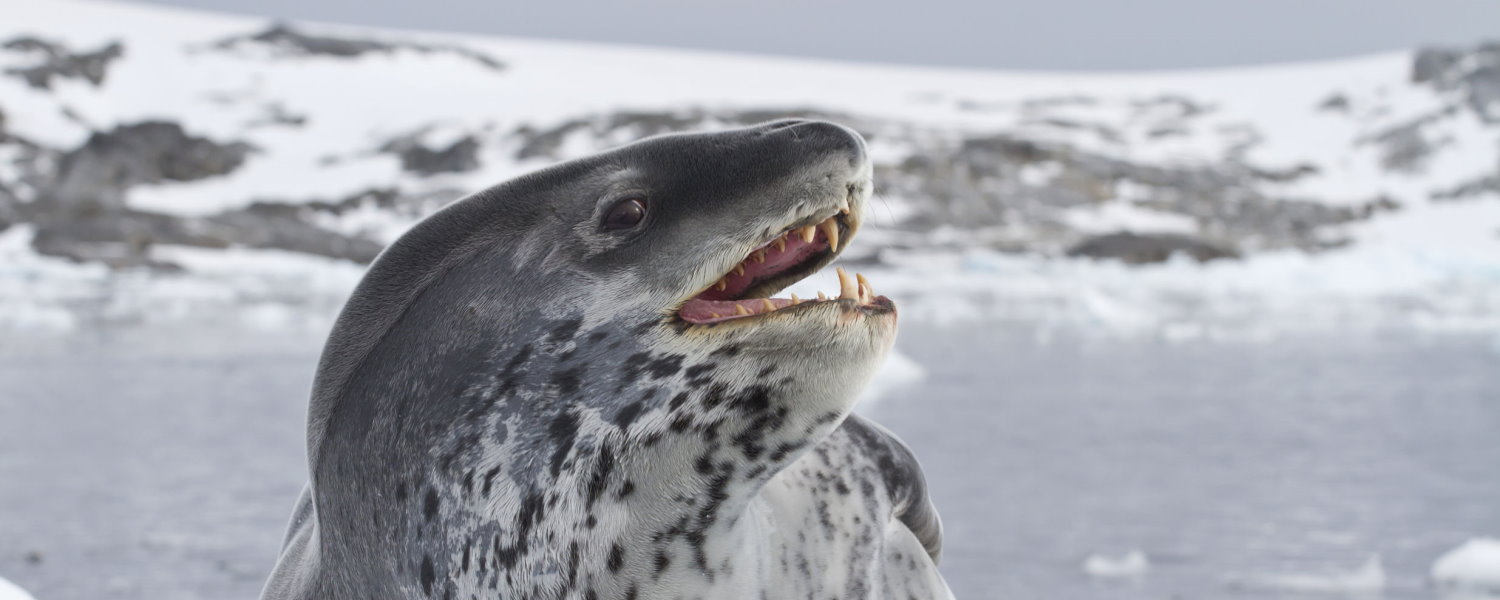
x: 903, y: 481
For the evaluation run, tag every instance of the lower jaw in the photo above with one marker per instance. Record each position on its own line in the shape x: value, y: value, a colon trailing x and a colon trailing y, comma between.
x: 703, y: 314
x: 854, y: 292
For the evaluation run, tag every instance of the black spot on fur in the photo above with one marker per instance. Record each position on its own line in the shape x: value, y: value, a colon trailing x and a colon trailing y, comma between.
x: 678, y: 400
x: 626, y: 489
x: 562, y: 430
x: 427, y: 575
x: 627, y: 415
x: 520, y: 358
x: 602, y: 470
x: 665, y: 366
x: 662, y: 561
x: 633, y: 365
x: 430, y: 505
x: 753, y: 399
x: 727, y: 350
x: 572, y: 563
x: 784, y: 449
x: 489, y: 478
x: 616, y: 557
x: 564, y: 331
x: 567, y: 382
x: 700, y: 371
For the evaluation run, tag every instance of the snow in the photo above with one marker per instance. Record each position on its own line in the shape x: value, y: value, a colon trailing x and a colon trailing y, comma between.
x: 11, y: 591
x: 1471, y: 568
x: 1430, y: 266
x: 1131, y: 565
x: 1367, y: 579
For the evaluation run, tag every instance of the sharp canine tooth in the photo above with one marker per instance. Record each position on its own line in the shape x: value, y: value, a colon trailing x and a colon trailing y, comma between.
x: 866, y: 290
x: 831, y: 231
x: 766, y: 302
x: 760, y: 257
x: 847, y: 288
x: 795, y: 299
x: 739, y: 269
x: 808, y: 233
x: 739, y: 309
x: 781, y: 244
x: 722, y: 284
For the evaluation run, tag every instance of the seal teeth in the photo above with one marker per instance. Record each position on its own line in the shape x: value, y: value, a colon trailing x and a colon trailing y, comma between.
x: 847, y: 287
x: 830, y: 231
x: 721, y: 285
x: 822, y: 296
x: 796, y: 300
x: 767, y: 304
x: 781, y: 244
x: 739, y: 309
x: 808, y: 233
x: 739, y: 269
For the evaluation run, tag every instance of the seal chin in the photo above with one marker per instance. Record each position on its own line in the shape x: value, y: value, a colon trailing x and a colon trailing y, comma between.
x: 742, y: 296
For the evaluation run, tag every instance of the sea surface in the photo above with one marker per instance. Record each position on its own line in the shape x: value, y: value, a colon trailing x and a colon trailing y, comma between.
x: 162, y: 464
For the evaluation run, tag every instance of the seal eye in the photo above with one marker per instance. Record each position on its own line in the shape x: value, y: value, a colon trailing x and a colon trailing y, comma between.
x: 625, y: 214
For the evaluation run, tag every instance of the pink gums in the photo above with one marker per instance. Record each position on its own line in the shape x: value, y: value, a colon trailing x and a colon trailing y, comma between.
x: 713, y: 301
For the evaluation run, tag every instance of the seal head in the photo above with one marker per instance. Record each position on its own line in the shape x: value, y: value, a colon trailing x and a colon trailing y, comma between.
x: 576, y: 383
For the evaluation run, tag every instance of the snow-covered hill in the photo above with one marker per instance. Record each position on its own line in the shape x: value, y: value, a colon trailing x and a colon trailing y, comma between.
x: 158, y: 165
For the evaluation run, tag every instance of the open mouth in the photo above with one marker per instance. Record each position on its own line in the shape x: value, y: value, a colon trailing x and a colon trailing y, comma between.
x: 744, y: 292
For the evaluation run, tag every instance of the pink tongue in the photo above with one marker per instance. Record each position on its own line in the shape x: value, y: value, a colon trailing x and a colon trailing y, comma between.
x: 713, y: 311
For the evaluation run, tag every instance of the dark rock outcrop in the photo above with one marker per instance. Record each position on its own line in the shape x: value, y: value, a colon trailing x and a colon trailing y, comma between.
x: 1007, y: 182
x: 290, y: 41
x: 459, y: 157
x: 1139, y: 249
x: 57, y: 62
x: 1470, y: 189
x: 96, y: 175
x: 124, y: 238
x: 1474, y: 73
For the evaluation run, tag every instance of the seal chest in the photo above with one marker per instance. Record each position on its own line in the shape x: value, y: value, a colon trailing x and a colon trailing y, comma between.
x: 579, y: 384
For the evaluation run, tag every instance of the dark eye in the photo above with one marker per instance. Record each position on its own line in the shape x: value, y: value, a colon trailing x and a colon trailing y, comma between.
x: 625, y: 214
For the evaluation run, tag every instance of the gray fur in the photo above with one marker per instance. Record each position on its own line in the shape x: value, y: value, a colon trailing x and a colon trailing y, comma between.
x: 507, y: 409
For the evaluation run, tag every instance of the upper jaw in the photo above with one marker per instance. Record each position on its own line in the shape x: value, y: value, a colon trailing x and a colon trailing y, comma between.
x: 801, y: 247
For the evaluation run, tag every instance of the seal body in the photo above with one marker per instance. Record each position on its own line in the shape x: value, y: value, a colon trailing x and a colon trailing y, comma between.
x: 527, y: 397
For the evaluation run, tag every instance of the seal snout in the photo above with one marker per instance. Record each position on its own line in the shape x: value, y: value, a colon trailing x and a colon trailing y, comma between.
x: 822, y: 138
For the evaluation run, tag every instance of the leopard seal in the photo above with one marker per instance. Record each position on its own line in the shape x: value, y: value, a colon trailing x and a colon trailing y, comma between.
x: 576, y: 384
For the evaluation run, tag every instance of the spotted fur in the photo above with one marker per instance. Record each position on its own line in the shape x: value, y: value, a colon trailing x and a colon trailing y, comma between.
x: 507, y: 409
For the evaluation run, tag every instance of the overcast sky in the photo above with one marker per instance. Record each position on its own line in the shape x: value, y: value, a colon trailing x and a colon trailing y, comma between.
x: 1038, y: 34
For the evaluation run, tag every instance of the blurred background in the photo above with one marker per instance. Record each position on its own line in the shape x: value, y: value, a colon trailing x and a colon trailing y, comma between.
x: 1199, y: 300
